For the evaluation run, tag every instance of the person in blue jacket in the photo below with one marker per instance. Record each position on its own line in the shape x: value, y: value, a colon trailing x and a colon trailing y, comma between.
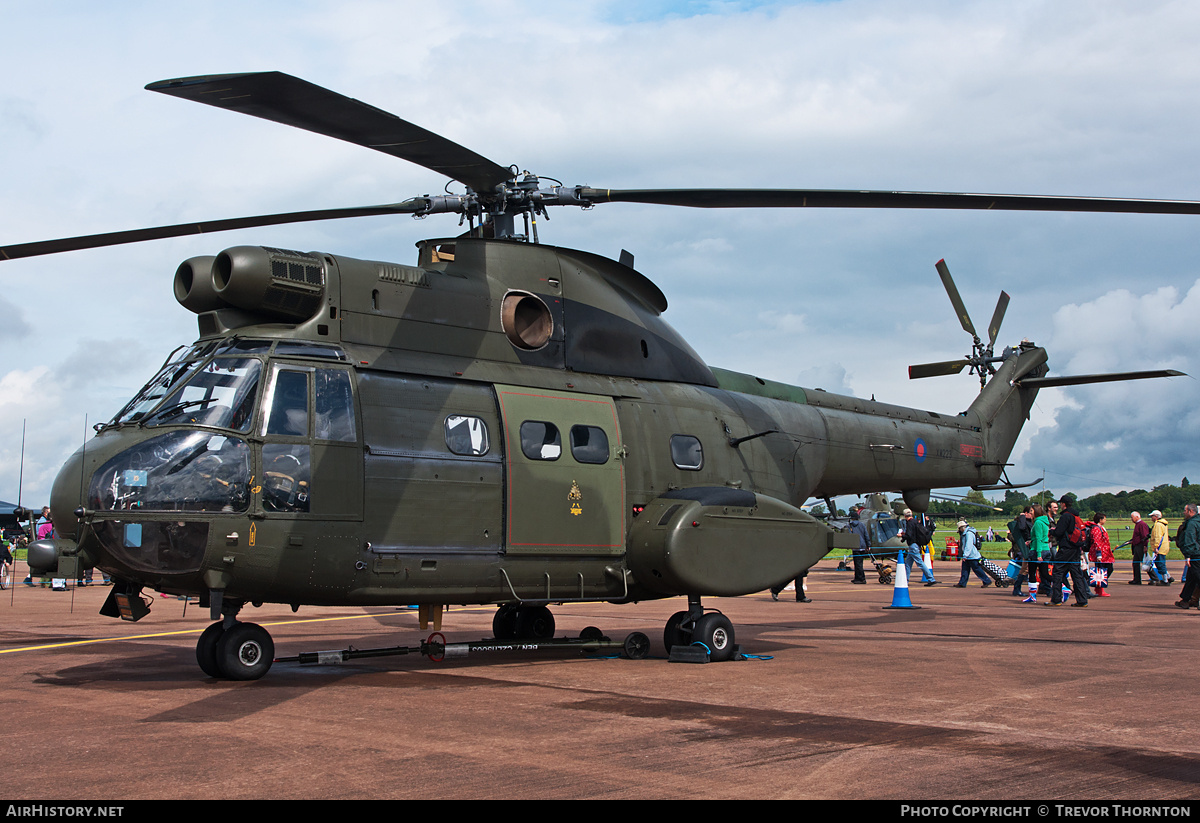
x: 969, y: 545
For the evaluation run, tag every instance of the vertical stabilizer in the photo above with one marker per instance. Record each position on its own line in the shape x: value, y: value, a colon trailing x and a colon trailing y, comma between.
x: 1002, y: 408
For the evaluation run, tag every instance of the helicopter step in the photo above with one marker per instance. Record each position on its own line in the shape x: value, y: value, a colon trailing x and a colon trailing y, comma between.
x: 590, y: 641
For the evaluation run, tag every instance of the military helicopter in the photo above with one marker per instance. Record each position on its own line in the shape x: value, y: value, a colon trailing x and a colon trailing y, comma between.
x: 505, y: 422
x: 882, y: 519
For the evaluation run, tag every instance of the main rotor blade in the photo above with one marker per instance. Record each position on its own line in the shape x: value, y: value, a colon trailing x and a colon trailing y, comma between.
x: 936, y: 369
x: 117, y: 238
x: 849, y: 199
x: 273, y: 95
x: 1081, y: 379
x: 997, y: 319
x: 956, y: 300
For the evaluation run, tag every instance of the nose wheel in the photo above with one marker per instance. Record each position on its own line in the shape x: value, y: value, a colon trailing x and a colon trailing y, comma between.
x: 245, y: 651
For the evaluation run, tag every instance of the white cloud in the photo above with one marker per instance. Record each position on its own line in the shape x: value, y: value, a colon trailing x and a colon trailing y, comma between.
x: 1124, y: 434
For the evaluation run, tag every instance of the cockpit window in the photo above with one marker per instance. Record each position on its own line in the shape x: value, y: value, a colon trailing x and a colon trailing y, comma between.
x: 301, y: 349
x: 176, y: 471
x: 221, y: 394
x: 239, y: 345
x: 883, y: 528
x: 333, y: 406
x: 289, y: 404
x: 175, y: 371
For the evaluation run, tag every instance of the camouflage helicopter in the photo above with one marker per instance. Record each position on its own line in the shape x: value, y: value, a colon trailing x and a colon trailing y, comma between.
x: 882, y: 519
x: 505, y: 422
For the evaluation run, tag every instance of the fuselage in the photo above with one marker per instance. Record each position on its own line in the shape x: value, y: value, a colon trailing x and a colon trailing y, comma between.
x: 485, y: 427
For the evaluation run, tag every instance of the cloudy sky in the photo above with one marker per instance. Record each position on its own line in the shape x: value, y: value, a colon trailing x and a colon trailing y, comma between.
x: 1023, y: 96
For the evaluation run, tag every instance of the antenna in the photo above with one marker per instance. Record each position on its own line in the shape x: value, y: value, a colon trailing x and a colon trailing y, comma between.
x: 20, y: 484
x: 21, y: 474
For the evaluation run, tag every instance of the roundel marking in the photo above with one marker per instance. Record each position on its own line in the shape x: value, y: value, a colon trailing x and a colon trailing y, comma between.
x: 919, y: 450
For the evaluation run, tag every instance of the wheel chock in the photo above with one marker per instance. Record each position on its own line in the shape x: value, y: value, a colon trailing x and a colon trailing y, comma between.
x: 694, y: 653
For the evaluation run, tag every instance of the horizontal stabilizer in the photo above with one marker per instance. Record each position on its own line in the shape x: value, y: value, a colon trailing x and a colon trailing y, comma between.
x: 1081, y: 379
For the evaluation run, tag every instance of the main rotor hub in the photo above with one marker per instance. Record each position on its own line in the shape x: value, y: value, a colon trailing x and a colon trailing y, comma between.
x: 520, y: 195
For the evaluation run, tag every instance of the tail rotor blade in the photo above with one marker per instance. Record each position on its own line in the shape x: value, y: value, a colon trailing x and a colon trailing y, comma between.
x: 997, y: 318
x: 936, y: 369
x: 959, y: 307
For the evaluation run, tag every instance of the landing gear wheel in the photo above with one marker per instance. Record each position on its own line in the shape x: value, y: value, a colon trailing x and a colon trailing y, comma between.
x: 245, y: 652
x: 535, y: 622
x: 673, y: 634
x: 637, y: 646
x: 504, y: 623
x: 591, y: 633
x: 206, y: 649
x: 715, y: 631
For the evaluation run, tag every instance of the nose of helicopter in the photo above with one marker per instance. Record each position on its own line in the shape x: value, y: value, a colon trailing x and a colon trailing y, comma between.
x: 67, y: 495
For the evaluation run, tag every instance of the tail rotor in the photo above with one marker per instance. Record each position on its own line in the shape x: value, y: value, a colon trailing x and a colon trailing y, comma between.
x: 982, y: 357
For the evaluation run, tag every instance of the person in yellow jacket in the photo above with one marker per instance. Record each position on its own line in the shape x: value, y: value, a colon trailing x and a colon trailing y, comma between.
x: 1160, y: 544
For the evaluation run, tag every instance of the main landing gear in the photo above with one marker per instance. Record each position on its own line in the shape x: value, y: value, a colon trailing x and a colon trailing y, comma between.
x: 231, y: 650
x: 531, y: 622
x: 713, y: 629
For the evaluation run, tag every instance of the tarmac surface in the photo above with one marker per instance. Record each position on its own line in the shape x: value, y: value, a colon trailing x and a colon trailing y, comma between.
x: 973, y: 696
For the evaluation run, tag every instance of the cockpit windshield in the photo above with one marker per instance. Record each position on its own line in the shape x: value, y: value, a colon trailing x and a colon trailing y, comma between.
x: 199, y: 389
x: 213, y: 383
x: 883, y: 528
x: 220, y: 393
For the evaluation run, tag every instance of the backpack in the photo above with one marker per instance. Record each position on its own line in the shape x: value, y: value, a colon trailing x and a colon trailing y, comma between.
x: 1079, y: 534
x: 924, y: 533
x: 1020, y: 541
x: 1089, y: 540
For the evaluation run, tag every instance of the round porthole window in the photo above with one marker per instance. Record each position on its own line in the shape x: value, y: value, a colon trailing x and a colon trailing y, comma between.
x: 526, y: 320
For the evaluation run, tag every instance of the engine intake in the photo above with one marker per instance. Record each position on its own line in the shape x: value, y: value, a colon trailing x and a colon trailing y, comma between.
x: 194, y: 285
x: 278, y: 283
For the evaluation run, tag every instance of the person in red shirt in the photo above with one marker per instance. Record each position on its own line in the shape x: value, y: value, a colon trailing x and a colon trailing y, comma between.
x: 1101, y: 554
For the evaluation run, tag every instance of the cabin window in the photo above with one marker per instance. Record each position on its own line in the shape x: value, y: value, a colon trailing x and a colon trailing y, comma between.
x: 687, y: 452
x: 540, y: 440
x: 334, y: 406
x: 589, y: 444
x: 466, y: 435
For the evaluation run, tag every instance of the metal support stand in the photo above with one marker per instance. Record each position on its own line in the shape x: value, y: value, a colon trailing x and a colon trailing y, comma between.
x: 430, y: 611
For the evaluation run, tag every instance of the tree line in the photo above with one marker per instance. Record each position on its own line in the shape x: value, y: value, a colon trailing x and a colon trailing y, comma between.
x: 1167, y: 498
